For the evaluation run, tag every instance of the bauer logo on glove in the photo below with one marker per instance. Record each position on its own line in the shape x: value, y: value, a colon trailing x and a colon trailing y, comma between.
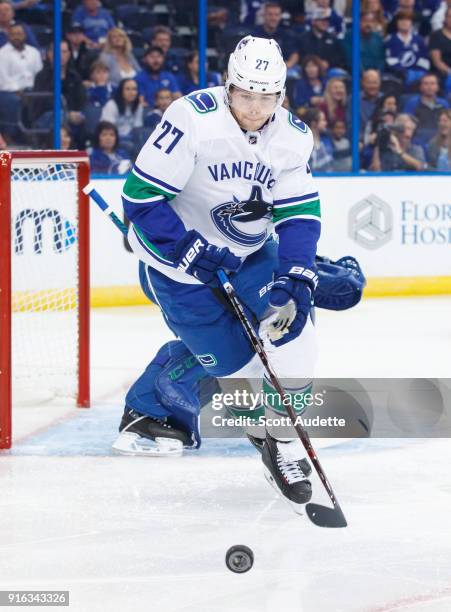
x: 195, y: 256
x: 190, y: 255
x: 308, y: 275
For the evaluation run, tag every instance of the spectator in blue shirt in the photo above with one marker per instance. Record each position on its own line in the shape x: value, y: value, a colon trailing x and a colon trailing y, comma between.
x: 271, y: 28
x: 152, y: 77
x: 309, y: 89
x: 100, y: 88
x: 371, y: 108
x: 188, y: 80
x: 372, y: 52
x: 426, y: 107
x: 406, y: 52
x: 370, y: 95
x: 7, y: 20
x: 162, y: 38
x: 105, y: 157
x: 94, y: 20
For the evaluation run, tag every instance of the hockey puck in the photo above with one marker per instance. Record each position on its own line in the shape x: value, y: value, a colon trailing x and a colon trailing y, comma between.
x: 239, y: 559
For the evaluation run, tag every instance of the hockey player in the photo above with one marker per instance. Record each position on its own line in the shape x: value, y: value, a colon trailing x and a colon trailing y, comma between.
x: 225, y: 168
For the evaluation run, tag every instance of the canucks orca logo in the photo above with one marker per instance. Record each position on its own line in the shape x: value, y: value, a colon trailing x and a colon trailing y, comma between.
x: 225, y: 215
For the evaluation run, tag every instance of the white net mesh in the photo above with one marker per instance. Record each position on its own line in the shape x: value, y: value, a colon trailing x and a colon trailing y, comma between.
x: 44, y: 217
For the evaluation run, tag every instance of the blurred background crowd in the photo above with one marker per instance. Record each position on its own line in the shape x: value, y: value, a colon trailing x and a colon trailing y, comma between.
x: 122, y: 64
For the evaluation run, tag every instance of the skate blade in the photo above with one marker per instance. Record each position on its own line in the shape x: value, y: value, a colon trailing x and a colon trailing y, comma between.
x: 298, y: 508
x: 135, y: 445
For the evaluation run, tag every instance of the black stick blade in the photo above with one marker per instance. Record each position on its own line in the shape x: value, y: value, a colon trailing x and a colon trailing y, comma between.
x: 322, y: 516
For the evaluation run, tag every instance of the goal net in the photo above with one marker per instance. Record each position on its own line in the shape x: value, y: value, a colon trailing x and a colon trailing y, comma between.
x: 45, y: 322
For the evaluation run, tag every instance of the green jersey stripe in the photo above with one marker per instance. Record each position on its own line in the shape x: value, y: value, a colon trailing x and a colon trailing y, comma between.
x: 140, y: 189
x: 312, y: 217
x: 311, y: 209
x: 296, y: 203
x: 158, y: 198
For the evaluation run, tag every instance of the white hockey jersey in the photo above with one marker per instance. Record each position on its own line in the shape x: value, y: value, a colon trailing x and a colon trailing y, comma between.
x: 232, y: 186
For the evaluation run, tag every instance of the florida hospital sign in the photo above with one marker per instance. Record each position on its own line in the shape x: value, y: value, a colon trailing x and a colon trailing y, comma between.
x: 372, y: 222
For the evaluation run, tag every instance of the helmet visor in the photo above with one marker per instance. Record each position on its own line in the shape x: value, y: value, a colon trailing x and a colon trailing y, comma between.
x: 253, y: 102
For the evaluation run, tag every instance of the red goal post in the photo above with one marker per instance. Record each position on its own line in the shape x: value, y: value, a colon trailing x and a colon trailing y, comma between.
x: 50, y: 184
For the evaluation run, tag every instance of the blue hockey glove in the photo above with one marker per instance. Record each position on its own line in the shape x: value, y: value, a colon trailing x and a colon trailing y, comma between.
x: 340, y: 283
x: 195, y: 256
x: 291, y: 297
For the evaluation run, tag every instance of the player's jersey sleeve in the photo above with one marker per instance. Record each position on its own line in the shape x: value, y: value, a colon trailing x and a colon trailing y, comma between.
x: 296, y: 212
x: 163, y: 167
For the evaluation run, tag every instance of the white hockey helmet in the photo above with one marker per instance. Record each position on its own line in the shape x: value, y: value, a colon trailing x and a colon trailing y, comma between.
x: 257, y: 66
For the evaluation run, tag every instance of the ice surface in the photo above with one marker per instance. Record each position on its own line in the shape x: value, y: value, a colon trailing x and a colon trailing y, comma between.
x: 127, y: 533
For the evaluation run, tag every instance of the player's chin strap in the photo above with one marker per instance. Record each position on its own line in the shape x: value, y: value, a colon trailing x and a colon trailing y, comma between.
x: 322, y: 516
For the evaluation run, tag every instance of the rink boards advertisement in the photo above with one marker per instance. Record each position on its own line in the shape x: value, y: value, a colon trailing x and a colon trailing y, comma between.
x: 399, y: 228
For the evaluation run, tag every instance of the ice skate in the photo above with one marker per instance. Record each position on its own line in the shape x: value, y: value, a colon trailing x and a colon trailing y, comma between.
x: 287, y: 470
x: 143, y: 435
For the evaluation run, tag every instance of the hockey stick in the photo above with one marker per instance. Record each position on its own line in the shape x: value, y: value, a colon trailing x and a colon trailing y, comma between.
x: 322, y: 516
x: 90, y: 190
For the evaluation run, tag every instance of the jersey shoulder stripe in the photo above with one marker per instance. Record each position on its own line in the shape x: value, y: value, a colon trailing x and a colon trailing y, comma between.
x: 297, y: 199
x: 140, y: 191
x: 309, y: 218
x: 307, y: 210
x: 153, y: 180
x: 144, y: 200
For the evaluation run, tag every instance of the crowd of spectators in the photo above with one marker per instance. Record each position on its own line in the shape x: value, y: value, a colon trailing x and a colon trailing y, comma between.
x: 123, y: 64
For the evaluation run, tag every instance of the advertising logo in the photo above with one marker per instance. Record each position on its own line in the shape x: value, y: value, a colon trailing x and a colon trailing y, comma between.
x: 425, y: 223
x: 370, y: 222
